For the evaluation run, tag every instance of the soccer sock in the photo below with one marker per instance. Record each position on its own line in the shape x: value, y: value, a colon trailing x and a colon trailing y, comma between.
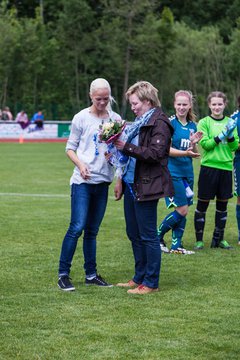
x: 177, y: 234
x: 220, y: 221
x: 238, y: 220
x: 199, y: 219
x: 170, y: 222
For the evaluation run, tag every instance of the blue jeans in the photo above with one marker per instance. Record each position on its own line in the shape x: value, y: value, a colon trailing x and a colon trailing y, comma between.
x: 88, y: 205
x: 141, y: 227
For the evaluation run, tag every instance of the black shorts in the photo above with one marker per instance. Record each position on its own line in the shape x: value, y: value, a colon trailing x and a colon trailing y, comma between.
x: 214, y: 182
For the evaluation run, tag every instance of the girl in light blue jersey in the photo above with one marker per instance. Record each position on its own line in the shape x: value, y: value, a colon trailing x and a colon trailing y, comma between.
x: 183, y: 149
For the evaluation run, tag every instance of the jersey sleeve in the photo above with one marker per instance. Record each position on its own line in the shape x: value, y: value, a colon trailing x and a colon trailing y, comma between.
x: 207, y: 142
x: 233, y: 145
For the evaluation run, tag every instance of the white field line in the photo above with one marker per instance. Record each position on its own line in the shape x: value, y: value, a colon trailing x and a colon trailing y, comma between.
x: 35, y: 195
x: 68, y: 196
x: 40, y: 195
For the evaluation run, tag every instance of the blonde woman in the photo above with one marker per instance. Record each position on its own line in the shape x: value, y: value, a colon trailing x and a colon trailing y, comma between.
x: 89, y: 185
x: 183, y: 149
x: 145, y: 181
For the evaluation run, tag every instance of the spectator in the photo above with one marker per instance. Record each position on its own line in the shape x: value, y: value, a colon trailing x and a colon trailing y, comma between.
x: 38, y: 119
x: 22, y: 119
x: 6, y: 114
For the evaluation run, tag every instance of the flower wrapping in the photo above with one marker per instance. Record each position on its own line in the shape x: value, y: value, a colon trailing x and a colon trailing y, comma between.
x: 108, y: 133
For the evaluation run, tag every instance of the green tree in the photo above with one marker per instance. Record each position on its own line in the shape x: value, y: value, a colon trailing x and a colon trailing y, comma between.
x: 196, y: 63
x: 232, y: 61
x: 121, y: 25
x: 9, y: 42
x: 74, y: 34
x: 152, y: 48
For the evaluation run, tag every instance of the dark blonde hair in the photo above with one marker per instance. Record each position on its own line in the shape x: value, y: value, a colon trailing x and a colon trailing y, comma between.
x: 144, y: 91
x: 190, y: 115
x: 218, y: 94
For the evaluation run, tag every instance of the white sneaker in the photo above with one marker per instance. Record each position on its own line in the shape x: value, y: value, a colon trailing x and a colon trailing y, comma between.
x: 164, y: 247
x: 182, y: 251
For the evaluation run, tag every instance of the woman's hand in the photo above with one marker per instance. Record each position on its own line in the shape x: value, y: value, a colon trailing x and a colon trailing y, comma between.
x: 119, y: 144
x: 196, y: 137
x: 118, y: 190
x: 84, y: 171
x: 107, y: 155
x: 192, y: 154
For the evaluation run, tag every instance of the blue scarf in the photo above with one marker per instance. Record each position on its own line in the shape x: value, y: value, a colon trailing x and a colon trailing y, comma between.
x: 133, y: 130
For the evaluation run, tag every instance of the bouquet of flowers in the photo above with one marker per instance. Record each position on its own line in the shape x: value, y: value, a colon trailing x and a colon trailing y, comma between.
x: 111, y: 130
x: 108, y: 133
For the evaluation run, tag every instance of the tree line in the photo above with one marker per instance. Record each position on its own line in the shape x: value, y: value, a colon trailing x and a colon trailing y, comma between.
x: 50, y: 51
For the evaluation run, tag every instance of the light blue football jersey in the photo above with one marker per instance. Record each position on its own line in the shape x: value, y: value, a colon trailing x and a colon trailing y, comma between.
x: 181, y: 166
x: 236, y: 115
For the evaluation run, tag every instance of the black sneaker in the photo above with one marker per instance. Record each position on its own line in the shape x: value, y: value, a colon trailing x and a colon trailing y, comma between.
x: 65, y: 284
x: 97, y: 280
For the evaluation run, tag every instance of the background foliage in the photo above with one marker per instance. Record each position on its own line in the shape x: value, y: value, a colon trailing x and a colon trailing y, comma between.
x: 50, y: 51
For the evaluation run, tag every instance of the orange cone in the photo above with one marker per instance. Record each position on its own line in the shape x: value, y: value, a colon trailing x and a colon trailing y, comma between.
x: 21, y: 140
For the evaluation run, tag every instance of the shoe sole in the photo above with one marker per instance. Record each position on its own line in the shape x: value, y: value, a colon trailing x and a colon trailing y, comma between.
x: 102, y: 286
x: 68, y: 289
x: 142, y: 293
x: 182, y: 253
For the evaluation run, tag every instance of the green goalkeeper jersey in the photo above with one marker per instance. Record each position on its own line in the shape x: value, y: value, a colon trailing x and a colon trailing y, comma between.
x: 217, y: 155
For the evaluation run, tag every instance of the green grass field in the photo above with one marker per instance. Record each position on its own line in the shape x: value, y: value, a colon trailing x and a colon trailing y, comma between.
x: 195, y: 315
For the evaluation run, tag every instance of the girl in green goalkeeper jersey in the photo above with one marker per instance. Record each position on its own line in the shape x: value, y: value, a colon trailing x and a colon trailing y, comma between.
x: 219, y: 141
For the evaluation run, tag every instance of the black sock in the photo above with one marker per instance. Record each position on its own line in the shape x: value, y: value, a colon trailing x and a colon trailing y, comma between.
x: 220, y: 221
x: 199, y: 219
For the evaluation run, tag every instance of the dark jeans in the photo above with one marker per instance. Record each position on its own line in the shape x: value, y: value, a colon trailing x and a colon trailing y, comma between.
x: 141, y: 227
x: 88, y: 205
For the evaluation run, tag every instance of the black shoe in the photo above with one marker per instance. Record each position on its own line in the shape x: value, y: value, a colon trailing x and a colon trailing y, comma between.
x: 97, y: 280
x: 65, y: 284
x: 214, y: 243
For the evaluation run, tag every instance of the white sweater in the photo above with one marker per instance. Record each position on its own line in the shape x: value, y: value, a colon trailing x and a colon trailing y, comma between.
x: 81, y: 140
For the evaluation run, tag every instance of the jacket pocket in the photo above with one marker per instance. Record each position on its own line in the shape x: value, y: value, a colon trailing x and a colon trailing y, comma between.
x: 151, y: 186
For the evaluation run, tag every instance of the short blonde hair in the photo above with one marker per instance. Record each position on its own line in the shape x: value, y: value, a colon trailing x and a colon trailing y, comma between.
x: 144, y: 91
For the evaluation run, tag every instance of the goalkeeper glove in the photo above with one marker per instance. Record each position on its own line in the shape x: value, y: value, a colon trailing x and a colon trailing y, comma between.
x: 228, y: 129
x: 223, y: 134
x: 232, y: 123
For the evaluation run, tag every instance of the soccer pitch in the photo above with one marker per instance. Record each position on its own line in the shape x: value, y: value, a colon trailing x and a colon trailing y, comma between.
x: 195, y: 315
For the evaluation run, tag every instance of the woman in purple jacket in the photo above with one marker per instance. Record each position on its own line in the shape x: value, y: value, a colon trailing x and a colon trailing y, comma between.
x: 145, y: 180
